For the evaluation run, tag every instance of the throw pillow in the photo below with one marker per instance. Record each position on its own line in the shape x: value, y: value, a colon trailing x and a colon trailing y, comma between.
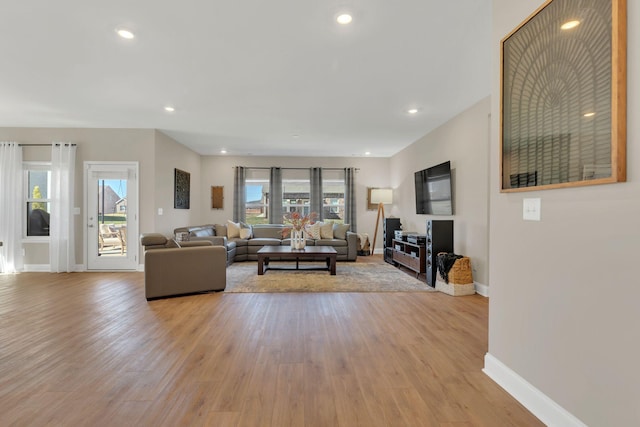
x: 246, y: 232
x: 221, y: 230
x: 313, y: 231
x: 340, y: 230
x: 326, y: 230
x: 233, y: 229
x: 201, y: 233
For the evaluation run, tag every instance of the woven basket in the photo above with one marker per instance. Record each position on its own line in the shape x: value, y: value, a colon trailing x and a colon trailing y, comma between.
x: 460, y: 273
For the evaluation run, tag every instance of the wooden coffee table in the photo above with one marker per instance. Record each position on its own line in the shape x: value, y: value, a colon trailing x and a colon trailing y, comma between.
x: 309, y: 253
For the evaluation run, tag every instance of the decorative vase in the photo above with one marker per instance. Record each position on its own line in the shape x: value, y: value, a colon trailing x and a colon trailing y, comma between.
x: 297, y: 239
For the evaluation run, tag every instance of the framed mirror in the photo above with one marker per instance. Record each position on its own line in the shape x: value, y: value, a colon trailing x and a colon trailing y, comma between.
x: 563, y: 97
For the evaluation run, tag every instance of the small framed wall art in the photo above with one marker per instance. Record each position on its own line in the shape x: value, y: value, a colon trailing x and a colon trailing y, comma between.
x: 217, y: 197
x: 181, y: 189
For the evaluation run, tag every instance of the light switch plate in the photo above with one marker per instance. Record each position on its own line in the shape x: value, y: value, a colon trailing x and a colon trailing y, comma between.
x: 160, y: 212
x: 531, y: 209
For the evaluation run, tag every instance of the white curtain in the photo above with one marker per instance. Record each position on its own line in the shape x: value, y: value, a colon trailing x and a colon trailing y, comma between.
x: 61, y: 232
x: 11, y: 205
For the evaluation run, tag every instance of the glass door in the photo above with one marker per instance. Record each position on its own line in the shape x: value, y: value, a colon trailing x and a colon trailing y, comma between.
x: 112, y: 215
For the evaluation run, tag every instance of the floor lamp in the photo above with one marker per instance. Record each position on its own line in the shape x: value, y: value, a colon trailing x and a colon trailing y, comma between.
x: 381, y: 197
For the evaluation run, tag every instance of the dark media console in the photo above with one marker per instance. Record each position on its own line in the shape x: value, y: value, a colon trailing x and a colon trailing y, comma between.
x: 409, y: 255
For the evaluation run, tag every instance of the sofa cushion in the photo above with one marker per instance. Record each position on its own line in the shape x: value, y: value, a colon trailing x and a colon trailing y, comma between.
x: 332, y: 242
x: 238, y: 241
x: 245, y: 233
x: 313, y: 230
x: 221, y: 230
x: 263, y: 241
x: 340, y: 230
x: 203, y: 232
x: 326, y: 230
x: 233, y: 229
x: 268, y: 231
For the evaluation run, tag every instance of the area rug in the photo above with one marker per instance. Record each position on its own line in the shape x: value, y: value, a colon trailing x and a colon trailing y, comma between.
x: 350, y: 277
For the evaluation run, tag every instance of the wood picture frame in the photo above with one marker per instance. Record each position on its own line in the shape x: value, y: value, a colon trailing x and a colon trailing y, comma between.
x: 371, y: 206
x: 217, y: 197
x: 181, y: 189
x: 563, y: 97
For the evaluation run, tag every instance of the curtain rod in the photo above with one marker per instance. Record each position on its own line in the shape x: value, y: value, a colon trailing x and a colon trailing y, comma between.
x: 44, y: 145
x: 303, y: 169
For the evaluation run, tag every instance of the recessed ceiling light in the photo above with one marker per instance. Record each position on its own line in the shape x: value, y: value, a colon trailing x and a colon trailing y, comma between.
x: 569, y: 25
x: 223, y: 151
x: 591, y: 114
x: 412, y: 111
x: 124, y: 33
x: 368, y: 153
x: 295, y: 135
x: 344, y: 19
x: 169, y: 109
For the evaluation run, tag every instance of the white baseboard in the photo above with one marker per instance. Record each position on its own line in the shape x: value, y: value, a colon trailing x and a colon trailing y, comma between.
x: 36, y: 268
x: 46, y: 268
x: 540, y: 405
x: 482, y: 289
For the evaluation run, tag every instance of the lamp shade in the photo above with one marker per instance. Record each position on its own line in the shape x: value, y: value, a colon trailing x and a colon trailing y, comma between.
x: 382, y: 195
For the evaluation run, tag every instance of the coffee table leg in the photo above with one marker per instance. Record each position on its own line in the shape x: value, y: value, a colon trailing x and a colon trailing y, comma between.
x: 260, y: 265
x: 333, y: 264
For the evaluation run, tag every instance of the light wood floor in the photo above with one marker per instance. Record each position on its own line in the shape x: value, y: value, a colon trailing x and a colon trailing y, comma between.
x: 86, y: 349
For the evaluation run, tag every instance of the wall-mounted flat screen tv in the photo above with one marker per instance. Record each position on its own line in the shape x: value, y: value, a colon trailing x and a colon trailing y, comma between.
x: 434, y: 190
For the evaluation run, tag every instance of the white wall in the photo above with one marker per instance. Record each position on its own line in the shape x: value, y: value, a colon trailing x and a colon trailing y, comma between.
x: 170, y: 155
x: 464, y: 140
x: 563, y: 313
x: 157, y: 155
x: 92, y: 145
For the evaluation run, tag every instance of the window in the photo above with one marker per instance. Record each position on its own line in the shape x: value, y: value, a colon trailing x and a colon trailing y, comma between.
x: 296, y: 188
x: 333, y: 189
x: 257, y: 196
x: 37, y: 199
x: 296, y: 194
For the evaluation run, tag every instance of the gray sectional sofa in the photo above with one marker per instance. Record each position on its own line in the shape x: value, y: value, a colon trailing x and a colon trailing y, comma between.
x: 243, y: 249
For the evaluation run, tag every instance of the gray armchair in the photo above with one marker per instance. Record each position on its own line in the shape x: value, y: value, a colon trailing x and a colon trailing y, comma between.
x: 172, y: 269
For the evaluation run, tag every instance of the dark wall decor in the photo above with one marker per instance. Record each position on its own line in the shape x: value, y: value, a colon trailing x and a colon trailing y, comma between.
x: 563, y: 97
x: 181, y: 189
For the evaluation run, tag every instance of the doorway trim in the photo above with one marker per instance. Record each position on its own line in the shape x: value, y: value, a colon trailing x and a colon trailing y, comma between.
x: 132, y: 217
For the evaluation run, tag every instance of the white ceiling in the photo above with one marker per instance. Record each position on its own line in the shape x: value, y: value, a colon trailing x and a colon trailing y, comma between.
x: 247, y: 75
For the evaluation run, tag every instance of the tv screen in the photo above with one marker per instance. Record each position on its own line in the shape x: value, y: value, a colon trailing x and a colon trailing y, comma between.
x: 433, y: 190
